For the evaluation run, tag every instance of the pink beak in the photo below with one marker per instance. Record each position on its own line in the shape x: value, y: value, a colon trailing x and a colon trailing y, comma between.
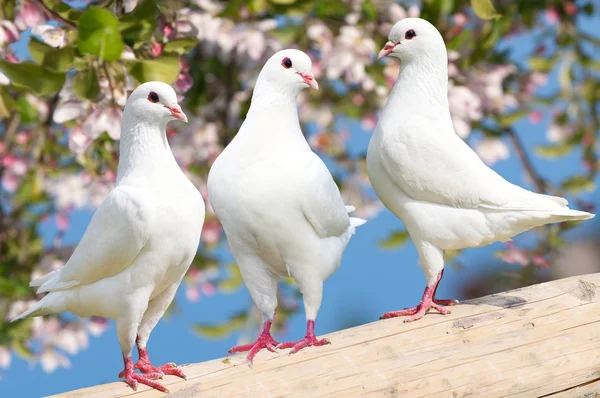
x: 176, y: 112
x: 309, y: 79
x: 387, y: 49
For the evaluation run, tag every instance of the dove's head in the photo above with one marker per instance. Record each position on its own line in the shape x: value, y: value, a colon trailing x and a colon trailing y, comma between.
x: 288, y: 70
x: 415, y: 39
x: 155, y: 102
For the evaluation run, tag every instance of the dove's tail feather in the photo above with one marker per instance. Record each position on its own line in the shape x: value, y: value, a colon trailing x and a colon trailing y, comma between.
x: 51, y: 303
x: 567, y: 214
x: 354, y: 221
x: 37, y: 282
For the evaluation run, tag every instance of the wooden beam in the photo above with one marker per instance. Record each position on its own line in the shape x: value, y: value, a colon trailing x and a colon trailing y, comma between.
x: 539, y: 341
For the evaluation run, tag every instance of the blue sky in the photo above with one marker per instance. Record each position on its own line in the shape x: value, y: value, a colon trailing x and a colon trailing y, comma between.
x: 370, y: 282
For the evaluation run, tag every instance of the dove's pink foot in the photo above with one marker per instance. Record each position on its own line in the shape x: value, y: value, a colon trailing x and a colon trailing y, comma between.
x: 146, y: 367
x: 264, y: 340
x: 428, y: 301
x: 309, y: 340
x: 133, y: 378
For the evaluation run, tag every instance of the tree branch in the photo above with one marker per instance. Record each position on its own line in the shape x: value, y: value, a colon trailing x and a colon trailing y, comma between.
x: 54, y: 15
x: 540, y: 183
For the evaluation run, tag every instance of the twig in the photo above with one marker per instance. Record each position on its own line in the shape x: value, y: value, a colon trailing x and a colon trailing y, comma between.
x: 54, y: 15
x: 110, y: 84
x: 539, y: 182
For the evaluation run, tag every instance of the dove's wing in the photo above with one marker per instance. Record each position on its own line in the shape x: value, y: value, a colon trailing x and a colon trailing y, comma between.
x: 115, y: 236
x: 429, y: 162
x: 323, y: 206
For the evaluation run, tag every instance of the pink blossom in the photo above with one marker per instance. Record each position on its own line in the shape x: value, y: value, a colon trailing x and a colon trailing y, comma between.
x: 78, y: 141
x: 184, y: 82
x: 515, y: 256
x: 540, y: 261
x: 8, y: 32
x: 10, y: 181
x: 5, y: 357
x: 460, y: 19
x: 51, y: 35
x: 368, y: 122
x: 12, y: 58
x: 22, y: 138
x: 167, y: 30
x: 157, y: 48
x: 211, y: 233
x: 570, y: 8
x: 208, y: 289
x: 192, y: 293
x: 552, y: 16
x: 358, y: 99
x: 51, y: 359
x: 104, y: 119
x: 62, y: 221
x: 9, y: 160
x: 535, y: 117
x: 29, y: 16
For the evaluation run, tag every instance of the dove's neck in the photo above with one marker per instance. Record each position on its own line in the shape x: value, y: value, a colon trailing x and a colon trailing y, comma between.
x: 269, y: 100
x: 275, y: 108
x: 422, y: 87
x: 144, y: 149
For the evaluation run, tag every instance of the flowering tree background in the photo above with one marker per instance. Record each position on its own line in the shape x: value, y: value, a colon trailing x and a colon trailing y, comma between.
x: 67, y: 67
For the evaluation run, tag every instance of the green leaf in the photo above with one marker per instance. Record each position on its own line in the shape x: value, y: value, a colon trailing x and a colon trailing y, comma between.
x: 164, y: 69
x: 394, y: 240
x: 508, y: 120
x: 554, y: 151
x: 64, y: 10
x: 99, y: 34
x: 369, y: 11
x: 7, y: 104
x: 484, y: 9
x: 33, y: 77
x: 180, y: 46
x: 139, y: 25
x: 221, y: 330
x: 56, y: 59
x: 85, y: 84
x: 233, y: 282
x: 578, y: 183
x: 28, y: 113
x: 283, y: 2
x: 540, y: 64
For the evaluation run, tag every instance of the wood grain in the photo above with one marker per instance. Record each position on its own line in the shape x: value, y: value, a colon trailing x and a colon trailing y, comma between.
x: 539, y: 341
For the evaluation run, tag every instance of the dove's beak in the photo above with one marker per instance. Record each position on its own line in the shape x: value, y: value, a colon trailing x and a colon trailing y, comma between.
x: 387, y: 49
x: 309, y: 79
x: 176, y: 112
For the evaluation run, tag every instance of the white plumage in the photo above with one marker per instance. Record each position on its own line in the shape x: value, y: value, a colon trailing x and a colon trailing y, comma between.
x: 141, y: 240
x: 280, y: 208
x: 430, y: 178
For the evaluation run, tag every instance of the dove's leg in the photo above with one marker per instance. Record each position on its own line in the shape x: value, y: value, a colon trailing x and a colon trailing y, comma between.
x: 155, y: 311
x: 127, y: 325
x: 432, y: 261
x: 312, y: 293
x: 262, y: 285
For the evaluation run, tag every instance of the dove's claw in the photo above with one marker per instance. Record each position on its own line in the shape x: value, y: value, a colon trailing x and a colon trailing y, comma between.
x: 428, y: 301
x: 264, y: 340
x: 146, y: 367
x: 445, y: 302
x: 132, y: 378
x: 309, y: 340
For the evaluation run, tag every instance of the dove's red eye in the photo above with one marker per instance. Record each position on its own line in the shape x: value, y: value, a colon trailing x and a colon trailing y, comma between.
x: 410, y: 34
x: 153, y: 97
x: 287, y: 63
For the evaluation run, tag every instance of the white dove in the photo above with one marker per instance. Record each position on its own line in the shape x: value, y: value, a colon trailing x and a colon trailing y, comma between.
x: 139, y: 243
x: 280, y: 208
x: 431, y: 179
